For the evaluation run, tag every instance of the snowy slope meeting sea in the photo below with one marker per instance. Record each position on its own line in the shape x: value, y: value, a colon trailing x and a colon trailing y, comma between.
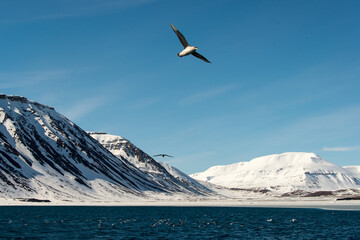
x: 121, y: 147
x: 284, y: 173
x: 43, y: 155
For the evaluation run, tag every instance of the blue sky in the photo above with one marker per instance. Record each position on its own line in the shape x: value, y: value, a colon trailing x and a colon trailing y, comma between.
x: 285, y: 75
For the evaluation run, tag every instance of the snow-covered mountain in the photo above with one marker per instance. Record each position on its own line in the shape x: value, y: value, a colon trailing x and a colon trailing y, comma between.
x: 185, y: 178
x: 45, y: 155
x: 354, y: 170
x: 282, y: 173
x: 123, y: 148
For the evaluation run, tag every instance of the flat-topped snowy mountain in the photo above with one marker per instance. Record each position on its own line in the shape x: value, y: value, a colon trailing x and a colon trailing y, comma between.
x: 283, y: 173
x: 123, y: 148
x: 45, y: 155
x: 354, y: 170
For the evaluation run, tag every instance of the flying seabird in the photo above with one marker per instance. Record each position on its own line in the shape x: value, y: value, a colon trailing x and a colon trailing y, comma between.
x: 187, y: 48
x: 162, y: 155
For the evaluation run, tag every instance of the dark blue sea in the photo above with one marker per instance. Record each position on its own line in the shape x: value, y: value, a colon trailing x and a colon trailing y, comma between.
x: 30, y: 222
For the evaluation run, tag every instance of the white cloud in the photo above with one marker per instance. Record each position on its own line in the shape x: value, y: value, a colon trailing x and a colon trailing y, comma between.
x: 68, y: 9
x: 340, y: 149
x: 312, y: 132
x: 144, y: 103
x: 337, y: 123
x: 25, y: 79
x: 207, y: 94
x: 83, y: 107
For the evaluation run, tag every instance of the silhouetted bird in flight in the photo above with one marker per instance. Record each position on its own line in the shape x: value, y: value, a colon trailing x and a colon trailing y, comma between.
x: 162, y: 155
x: 187, y: 48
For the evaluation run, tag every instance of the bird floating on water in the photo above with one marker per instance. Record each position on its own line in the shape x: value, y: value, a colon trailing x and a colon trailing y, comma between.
x: 162, y: 155
x: 187, y: 48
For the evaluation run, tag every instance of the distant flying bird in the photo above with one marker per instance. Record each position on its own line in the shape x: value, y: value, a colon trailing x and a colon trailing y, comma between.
x: 187, y: 48
x: 162, y: 155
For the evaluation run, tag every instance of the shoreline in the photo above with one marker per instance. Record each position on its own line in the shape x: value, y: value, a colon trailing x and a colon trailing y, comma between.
x: 326, y: 204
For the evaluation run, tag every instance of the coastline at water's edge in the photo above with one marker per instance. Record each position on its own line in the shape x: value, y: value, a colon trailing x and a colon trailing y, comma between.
x: 326, y: 204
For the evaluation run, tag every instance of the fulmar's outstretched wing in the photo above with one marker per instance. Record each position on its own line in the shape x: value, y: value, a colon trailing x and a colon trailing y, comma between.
x: 196, y: 54
x: 180, y: 36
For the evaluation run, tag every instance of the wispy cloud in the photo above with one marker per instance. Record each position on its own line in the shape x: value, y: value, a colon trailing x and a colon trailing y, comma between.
x: 311, y: 84
x: 25, y: 79
x: 141, y: 104
x: 84, y: 107
x: 207, y: 94
x: 340, y: 149
x: 53, y: 10
x: 336, y: 126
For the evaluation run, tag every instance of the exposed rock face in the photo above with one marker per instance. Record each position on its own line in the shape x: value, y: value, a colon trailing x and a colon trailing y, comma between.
x: 45, y: 155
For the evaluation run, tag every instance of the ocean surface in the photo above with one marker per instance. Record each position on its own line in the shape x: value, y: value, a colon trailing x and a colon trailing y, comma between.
x: 30, y: 222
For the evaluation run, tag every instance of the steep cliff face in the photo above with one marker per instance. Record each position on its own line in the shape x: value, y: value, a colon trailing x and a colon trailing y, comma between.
x: 43, y: 154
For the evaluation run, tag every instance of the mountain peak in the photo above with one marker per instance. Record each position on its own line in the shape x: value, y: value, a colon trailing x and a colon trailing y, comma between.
x: 21, y: 99
x: 288, y: 159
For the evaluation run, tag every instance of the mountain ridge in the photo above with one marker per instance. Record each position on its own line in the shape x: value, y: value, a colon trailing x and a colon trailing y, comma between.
x: 45, y: 155
x: 122, y: 147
